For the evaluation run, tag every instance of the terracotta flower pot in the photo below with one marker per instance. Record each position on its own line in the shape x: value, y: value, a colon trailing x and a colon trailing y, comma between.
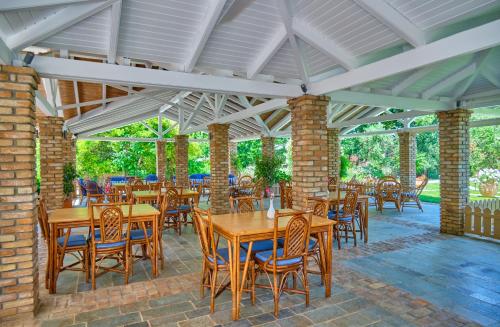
x: 488, y: 189
x: 68, y: 203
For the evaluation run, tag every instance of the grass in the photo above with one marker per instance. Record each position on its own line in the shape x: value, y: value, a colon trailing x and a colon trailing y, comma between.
x: 431, y: 193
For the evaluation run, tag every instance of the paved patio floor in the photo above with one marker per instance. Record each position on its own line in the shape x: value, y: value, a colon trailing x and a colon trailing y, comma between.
x: 407, y: 275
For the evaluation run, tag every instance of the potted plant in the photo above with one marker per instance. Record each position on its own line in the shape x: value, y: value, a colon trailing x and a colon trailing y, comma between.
x: 69, y: 175
x: 488, y: 179
x: 267, y: 169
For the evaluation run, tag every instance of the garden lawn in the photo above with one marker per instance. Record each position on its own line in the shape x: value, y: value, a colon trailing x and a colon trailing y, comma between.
x: 431, y: 193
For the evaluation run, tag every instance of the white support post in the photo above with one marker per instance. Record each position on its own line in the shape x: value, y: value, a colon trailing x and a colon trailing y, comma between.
x: 77, y: 98
x: 160, y: 125
x: 116, y: 11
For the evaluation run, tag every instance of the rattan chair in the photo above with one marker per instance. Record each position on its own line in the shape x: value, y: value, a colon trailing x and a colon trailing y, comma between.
x: 345, y: 216
x: 288, y: 198
x: 245, y: 185
x: 332, y: 183
x: 216, y: 260
x: 413, y: 195
x: 291, y: 260
x: 111, y: 240
x: 283, y: 184
x: 318, y: 207
x: 75, y: 245
x: 206, y: 187
x: 388, y: 190
x: 156, y: 186
x: 172, y: 214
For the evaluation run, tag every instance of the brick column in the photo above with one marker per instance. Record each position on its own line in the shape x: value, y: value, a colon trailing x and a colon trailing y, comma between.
x: 69, y: 148
x: 181, y: 160
x: 454, y: 168
x: 52, y: 160
x: 407, y: 160
x: 334, y: 152
x: 18, y: 218
x: 160, y: 160
x: 233, y: 151
x: 219, y: 168
x: 267, y: 146
x: 309, y: 148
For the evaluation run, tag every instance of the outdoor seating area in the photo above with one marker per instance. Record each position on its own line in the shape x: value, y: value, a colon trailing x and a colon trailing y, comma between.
x: 249, y: 163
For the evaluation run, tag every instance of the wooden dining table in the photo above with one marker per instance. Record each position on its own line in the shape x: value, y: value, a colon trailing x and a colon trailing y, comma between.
x: 255, y: 226
x: 147, y: 196
x: 68, y: 218
x: 334, y: 198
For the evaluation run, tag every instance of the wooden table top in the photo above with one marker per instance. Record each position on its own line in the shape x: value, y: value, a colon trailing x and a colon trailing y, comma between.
x: 185, y: 192
x: 249, y: 223
x: 82, y: 214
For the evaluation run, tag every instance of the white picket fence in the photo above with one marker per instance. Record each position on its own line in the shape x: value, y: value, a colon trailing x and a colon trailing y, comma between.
x: 482, y: 218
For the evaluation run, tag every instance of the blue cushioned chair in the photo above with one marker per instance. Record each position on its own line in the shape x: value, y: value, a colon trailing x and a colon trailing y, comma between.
x: 172, y: 213
x: 217, y: 260
x: 291, y: 260
x: 75, y: 245
x: 111, y: 239
x: 151, y: 178
x: 345, y: 216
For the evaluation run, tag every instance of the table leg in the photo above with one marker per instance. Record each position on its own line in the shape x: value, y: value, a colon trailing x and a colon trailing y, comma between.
x: 154, y: 256
x: 234, y: 277
x: 52, y: 260
x: 328, y: 257
x: 365, y: 220
x: 322, y: 258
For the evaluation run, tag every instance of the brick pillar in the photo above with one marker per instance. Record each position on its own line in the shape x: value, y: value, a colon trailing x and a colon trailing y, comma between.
x: 160, y: 160
x: 69, y: 149
x: 309, y: 148
x: 52, y: 160
x: 454, y: 168
x: 18, y: 217
x: 233, y: 151
x: 267, y: 146
x: 334, y: 152
x: 219, y: 168
x: 181, y: 160
x: 407, y: 160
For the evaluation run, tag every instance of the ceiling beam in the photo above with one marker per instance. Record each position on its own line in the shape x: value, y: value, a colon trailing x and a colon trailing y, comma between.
x: 6, y: 55
x: 481, y: 59
x: 149, y: 128
x: 472, y: 40
x: 410, y: 80
x: 44, y: 105
x: 325, y: 44
x: 29, y: 4
x: 382, y: 100
x: 378, y: 119
x: 114, y: 22
x: 394, y: 20
x: 245, y: 103
x: 284, y: 10
x: 57, y: 22
x: 196, y: 110
x: 244, y: 114
x: 267, y: 52
x: 282, y: 123
x: 125, y: 75
x: 212, y: 15
x: 449, y: 81
x: 488, y: 74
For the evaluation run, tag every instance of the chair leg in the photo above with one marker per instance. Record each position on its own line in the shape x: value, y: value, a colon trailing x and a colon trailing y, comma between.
x: 213, y: 283
x: 93, y: 269
x: 203, y: 278
x: 86, y: 265
x: 353, y: 226
x: 252, y: 281
x: 306, y: 285
x: 276, y: 294
x: 127, y: 263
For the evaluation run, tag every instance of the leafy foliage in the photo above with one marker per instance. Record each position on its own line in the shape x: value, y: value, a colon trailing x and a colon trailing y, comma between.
x: 268, y: 168
x: 69, y: 175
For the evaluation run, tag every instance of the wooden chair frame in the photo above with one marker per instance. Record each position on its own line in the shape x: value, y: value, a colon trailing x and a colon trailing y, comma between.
x: 349, y: 207
x: 413, y: 195
x: 318, y: 207
x: 296, y: 245
x: 172, y: 202
x: 388, y: 190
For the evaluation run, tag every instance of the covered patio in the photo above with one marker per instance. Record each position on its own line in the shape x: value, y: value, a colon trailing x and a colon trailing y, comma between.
x: 312, y: 71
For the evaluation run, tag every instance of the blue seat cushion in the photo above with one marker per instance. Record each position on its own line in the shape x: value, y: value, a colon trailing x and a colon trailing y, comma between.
x: 312, y: 242
x: 331, y: 213
x: 409, y: 194
x: 138, y: 234
x: 74, y: 240
x: 224, y: 252
x: 110, y: 245
x: 185, y: 207
x: 172, y: 212
x: 264, y: 255
x: 258, y: 246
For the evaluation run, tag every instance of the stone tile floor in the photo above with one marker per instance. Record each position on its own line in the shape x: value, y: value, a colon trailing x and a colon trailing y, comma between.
x: 407, y: 275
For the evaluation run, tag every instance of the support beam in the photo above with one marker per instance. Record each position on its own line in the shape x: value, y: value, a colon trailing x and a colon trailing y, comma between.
x: 247, y: 104
x: 481, y: 60
x: 267, y: 52
x: 44, y: 105
x: 131, y: 139
x: 125, y: 75
x: 370, y: 120
x: 325, y: 44
x: 55, y: 23
x: 116, y: 11
x: 449, y: 81
x: 244, y: 114
x: 410, y: 80
x: 488, y: 74
x: 282, y: 123
x: 472, y: 40
x: 195, y: 112
x: 150, y: 128
x: 212, y: 15
x: 77, y: 98
x: 382, y: 100
x: 93, y: 102
x: 6, y: 55
x: 284, y: 10
x: 394, y: 20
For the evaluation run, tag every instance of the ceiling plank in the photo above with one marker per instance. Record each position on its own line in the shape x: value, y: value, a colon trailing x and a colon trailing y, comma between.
x: 125, y: 75
x: 410, y: 80
x: 472, y: 40
x: 326, y: 45
x: 57, y: 22
x: 394, y: 20
x: 29, y: 4
x: 449, y: 81
x: 481, y: 59
x: 245, y: 103
x: 267, y: 52
x: 207, y: 25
